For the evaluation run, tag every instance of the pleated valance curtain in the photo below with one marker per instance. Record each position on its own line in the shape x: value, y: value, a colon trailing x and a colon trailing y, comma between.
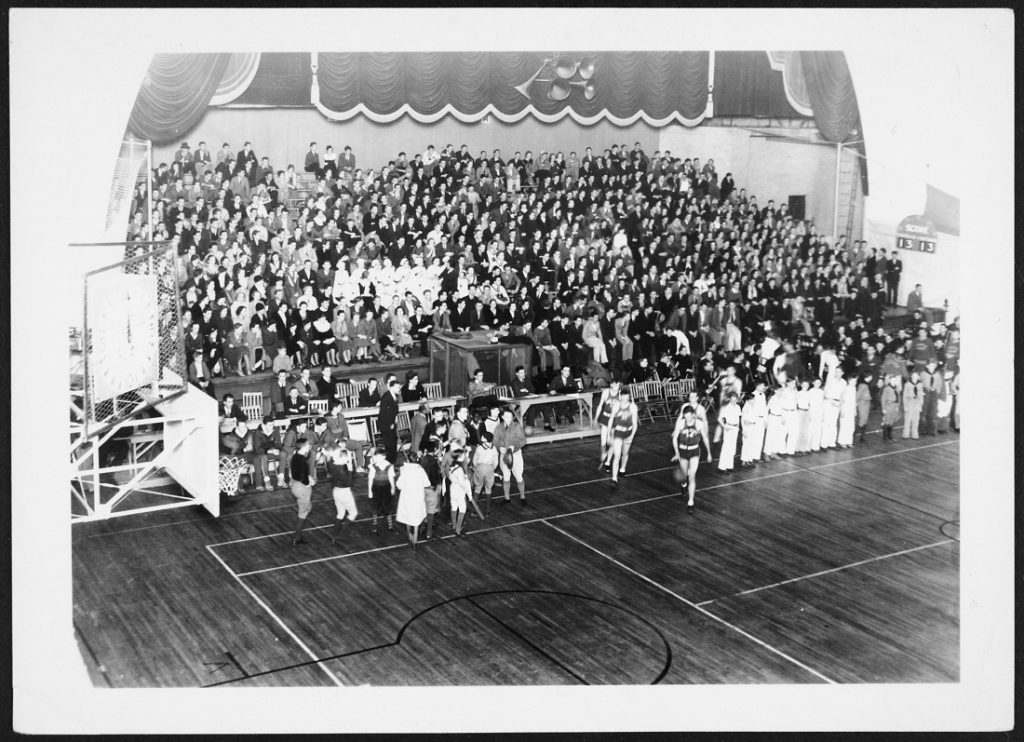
x: 657, y: 87
x: 175, y: 94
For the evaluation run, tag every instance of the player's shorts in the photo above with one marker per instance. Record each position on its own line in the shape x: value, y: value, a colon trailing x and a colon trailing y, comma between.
x: 483, y: 480
x: 433, y: 498
x: 344, y: 502
x: 303, y: 494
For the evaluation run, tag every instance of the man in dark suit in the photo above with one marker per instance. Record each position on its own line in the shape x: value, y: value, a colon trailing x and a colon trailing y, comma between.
x: 386, y: 420
x: 893, y: 269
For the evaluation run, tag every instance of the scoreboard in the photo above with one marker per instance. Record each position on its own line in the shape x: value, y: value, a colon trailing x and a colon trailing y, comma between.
x: 916, y: 233
x: 915, y: 243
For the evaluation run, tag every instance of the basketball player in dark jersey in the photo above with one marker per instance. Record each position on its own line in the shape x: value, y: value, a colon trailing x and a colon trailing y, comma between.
x: 686, y: 439
x: 624, y: 423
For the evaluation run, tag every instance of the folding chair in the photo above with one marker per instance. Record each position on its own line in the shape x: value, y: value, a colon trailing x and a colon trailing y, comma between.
x: 343, y: 391
x: 672, y: 391
x: 655, y: 397
x: 433, y: 390
x: 318, y: 407
x: 638, y: 392
x: 252, y: 405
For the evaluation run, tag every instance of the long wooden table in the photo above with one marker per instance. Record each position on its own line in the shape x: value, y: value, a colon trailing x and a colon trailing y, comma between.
x: 584, y: 406
x: 369, y: 414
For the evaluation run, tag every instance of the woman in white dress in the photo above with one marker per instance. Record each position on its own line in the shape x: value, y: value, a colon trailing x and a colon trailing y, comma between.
x: 412, y: 502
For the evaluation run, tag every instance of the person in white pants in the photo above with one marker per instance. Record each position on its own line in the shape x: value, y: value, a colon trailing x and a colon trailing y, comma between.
x: 847, y: 414
x: 729, y: 421
x: 803, y: 418
x: 775, y: 430
x: 833, y: 390
x: 789, y: 416
x: 755, y: 411
x: 593, y: 338
x: 815, y: 410
x: 733, y: 336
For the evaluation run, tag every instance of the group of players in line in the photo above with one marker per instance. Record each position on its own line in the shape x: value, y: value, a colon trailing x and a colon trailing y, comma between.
x: 458, y: 463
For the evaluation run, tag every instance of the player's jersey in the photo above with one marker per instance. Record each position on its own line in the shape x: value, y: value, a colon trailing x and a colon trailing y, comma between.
x: 622, y: 422
x: 689, y: 441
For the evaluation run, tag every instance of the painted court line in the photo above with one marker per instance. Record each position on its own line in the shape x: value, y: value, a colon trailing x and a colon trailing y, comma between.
x: 693, y: 605
x: 551, y: 517
x: 277, y: 618
x: 828, y: 571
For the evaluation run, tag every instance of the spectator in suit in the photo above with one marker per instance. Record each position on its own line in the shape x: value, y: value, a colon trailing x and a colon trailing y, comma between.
x: 387, y: 419
x: 564, y: 384
x: 267, y: 446
x: 279, y: 392
x: 370, y: 396
x: 915, y: 299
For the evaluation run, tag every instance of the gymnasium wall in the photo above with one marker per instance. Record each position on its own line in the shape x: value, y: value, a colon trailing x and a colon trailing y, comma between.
x: 767, y: 168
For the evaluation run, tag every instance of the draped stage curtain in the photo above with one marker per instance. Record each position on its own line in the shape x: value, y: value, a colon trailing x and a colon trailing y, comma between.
x: 175, y: 95
x: 238, y: 75
x: 746, y: 85
x: 656, y: 87
x: 833, y: 99
x: 830, y: 89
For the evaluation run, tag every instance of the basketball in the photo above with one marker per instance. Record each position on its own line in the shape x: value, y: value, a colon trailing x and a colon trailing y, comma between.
x: 528, y: 429
x: 677, y: 474
x: 507, y: 459
x: 244, y: 482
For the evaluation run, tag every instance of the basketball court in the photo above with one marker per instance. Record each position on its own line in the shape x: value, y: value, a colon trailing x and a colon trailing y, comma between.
x: 837, y: 567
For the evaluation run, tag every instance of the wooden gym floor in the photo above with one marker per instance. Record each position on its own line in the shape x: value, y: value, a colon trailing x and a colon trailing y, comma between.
x: 837, y: 567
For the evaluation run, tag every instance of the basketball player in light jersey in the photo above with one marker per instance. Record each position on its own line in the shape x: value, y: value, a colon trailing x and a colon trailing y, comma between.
x: 624, y: 424
x: 605, y: 408
x: 686, y: 439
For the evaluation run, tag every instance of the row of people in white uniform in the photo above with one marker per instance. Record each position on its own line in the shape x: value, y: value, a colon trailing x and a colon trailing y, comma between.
x: 793, y: 420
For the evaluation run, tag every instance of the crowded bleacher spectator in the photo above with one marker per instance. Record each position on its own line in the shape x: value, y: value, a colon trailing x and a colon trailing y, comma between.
x: 596, y: 262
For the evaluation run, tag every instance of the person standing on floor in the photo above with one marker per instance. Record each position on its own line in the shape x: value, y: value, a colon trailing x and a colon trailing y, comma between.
x: 412, y: 484
x: 380, y: 488
x: 863, y: 404
x: 944, y: 402
x: 847, y: 413
x: 624, y: 424
x: 509, y: 439
x: 833, y: 391
x: 686, y: 439
x: 913, y: 402
x: 803, y: 418
x: 460, y: 493
x: 433, y: 492
x: 775, y: 428
x: 754, y: 418
x: 789, y: 415
x: 387, y: 420
x: 931, y: 383
x: 605, y: 409
x: 339, y: 469
x: 890, y: 405
x: 729, y: 421
x: 815, y: 410
x: 302, y: 489
x: 485, y: 461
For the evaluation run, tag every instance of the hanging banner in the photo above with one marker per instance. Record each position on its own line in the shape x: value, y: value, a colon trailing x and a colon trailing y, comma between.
x: 916, y: 233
